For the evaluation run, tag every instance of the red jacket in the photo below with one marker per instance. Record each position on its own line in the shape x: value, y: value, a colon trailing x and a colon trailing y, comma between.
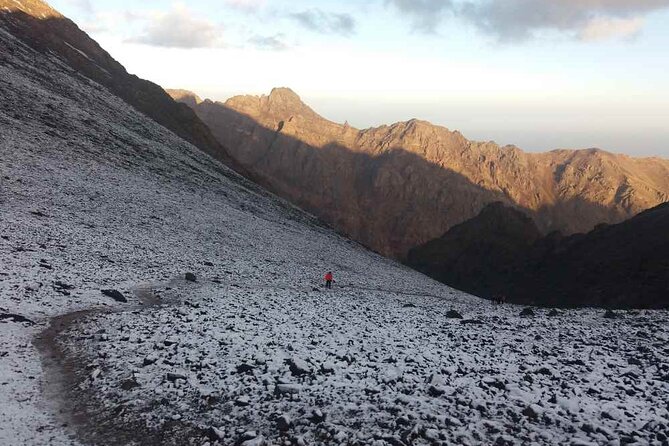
x: 328, y: 276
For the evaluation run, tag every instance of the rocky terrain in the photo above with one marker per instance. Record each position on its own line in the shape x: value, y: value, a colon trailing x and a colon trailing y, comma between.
x: 151, y: 295
x: 395, y: 187
x: 501, y: 252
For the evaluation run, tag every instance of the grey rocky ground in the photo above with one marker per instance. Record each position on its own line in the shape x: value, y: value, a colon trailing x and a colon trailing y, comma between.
x: 95, y: 196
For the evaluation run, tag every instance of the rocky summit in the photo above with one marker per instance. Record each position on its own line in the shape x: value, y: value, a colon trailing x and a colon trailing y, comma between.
x: 395, y: 187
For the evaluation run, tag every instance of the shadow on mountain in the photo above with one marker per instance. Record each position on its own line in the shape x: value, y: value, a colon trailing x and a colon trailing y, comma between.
x: 371, y: 197
x: 386, y: 201
x: 500, y: 252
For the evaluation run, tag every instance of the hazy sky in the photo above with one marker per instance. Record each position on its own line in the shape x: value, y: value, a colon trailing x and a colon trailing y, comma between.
x: 541, y: 74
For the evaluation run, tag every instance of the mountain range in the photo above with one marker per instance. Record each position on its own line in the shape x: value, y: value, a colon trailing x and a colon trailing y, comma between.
x: 399, y: 186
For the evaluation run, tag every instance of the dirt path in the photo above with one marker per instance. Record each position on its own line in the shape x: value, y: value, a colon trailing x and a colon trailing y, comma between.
x: 66, y: 375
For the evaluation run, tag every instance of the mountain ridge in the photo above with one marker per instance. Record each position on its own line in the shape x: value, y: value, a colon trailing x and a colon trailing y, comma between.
x: 500, y: 252
x: 396, y: 186
x: 47, y: 31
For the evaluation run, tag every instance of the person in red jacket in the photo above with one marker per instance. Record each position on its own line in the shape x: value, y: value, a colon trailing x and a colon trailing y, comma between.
x: 328, y: 280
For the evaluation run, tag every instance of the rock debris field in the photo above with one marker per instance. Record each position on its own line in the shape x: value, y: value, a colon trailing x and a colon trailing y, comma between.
x: 96, y: 197
x: 272, y: 365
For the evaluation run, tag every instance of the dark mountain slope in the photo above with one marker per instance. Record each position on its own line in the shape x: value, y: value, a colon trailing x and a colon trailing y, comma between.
x: 620, y: 266
x: 48, y: 32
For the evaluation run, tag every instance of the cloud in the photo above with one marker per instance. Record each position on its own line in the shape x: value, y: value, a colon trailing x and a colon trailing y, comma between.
x: 180, y: 28
x: 245, y: 5
x: 273, y: 43
x: 520, y: 20
x: 325, y: 23
x: 604, y: 29
x: 84, y: 5
x: 425, y: 15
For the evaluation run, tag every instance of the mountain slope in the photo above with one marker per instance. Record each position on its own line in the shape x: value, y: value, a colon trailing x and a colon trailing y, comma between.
x: 96, y: 196
x: 395, y: 187
x: 48, y: 32
x: 500, y: 252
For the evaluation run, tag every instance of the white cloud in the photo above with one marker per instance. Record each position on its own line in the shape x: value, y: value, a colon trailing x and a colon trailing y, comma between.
x: 180, y: 28
x: 605, y: 28
x: 273, y: 43
x: 84, y: 5
x: 246, y: 5
x: 518, y: 20
x: 325, y: 22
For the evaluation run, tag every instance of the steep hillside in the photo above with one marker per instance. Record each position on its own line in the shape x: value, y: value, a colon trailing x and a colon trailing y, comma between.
x: 46, y: 31
x: 95, y: 196
x: 500, y: 252
x: 105, y: 339
x: 395, y: 187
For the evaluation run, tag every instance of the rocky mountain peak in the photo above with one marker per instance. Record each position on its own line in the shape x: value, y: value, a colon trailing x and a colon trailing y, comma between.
x: 34, y: 8
x: 187, y: 97
x: 284, y: 95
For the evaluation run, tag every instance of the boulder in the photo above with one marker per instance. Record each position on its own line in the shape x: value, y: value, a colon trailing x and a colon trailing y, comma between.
x: 452, y: 314
x: 190, y: 277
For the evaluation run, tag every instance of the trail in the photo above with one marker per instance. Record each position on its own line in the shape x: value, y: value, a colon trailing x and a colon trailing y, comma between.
x: 65, y: 373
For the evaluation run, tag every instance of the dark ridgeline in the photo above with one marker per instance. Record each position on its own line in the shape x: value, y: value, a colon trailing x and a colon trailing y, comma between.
x: 501, y: 252
x: 47, y: 31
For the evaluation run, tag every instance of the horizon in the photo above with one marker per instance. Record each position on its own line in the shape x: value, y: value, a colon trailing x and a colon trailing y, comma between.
x: 579, y: 75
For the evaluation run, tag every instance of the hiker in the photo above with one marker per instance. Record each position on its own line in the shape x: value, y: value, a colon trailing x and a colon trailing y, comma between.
x: 328, y: 280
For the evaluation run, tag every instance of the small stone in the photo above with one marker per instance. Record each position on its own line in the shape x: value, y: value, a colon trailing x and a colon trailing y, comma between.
x: 283, y: 423
x: 317, y: 416
x: 129, y: 384
x: 327, y: 368
x: 287, y: 389
x: 298, y: 367
x: 173, y: 376
x: 15, y: 318
x: 242, y: 401
x: 452, y: 314
x: 553, y: 313
x: 215, y: 434
x: 527, y: 312
x: 471, y: 322
x: 190, y: 277
x: 116, y: 295
x: 435, y: 391
x: 610, y: 314
x: 530, y: 413
x: 244, y: 368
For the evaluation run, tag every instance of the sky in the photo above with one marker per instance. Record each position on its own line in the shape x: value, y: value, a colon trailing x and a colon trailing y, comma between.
x: 539, y: 74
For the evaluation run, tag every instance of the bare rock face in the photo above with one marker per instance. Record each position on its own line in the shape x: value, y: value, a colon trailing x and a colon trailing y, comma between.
x: 395, y: 187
